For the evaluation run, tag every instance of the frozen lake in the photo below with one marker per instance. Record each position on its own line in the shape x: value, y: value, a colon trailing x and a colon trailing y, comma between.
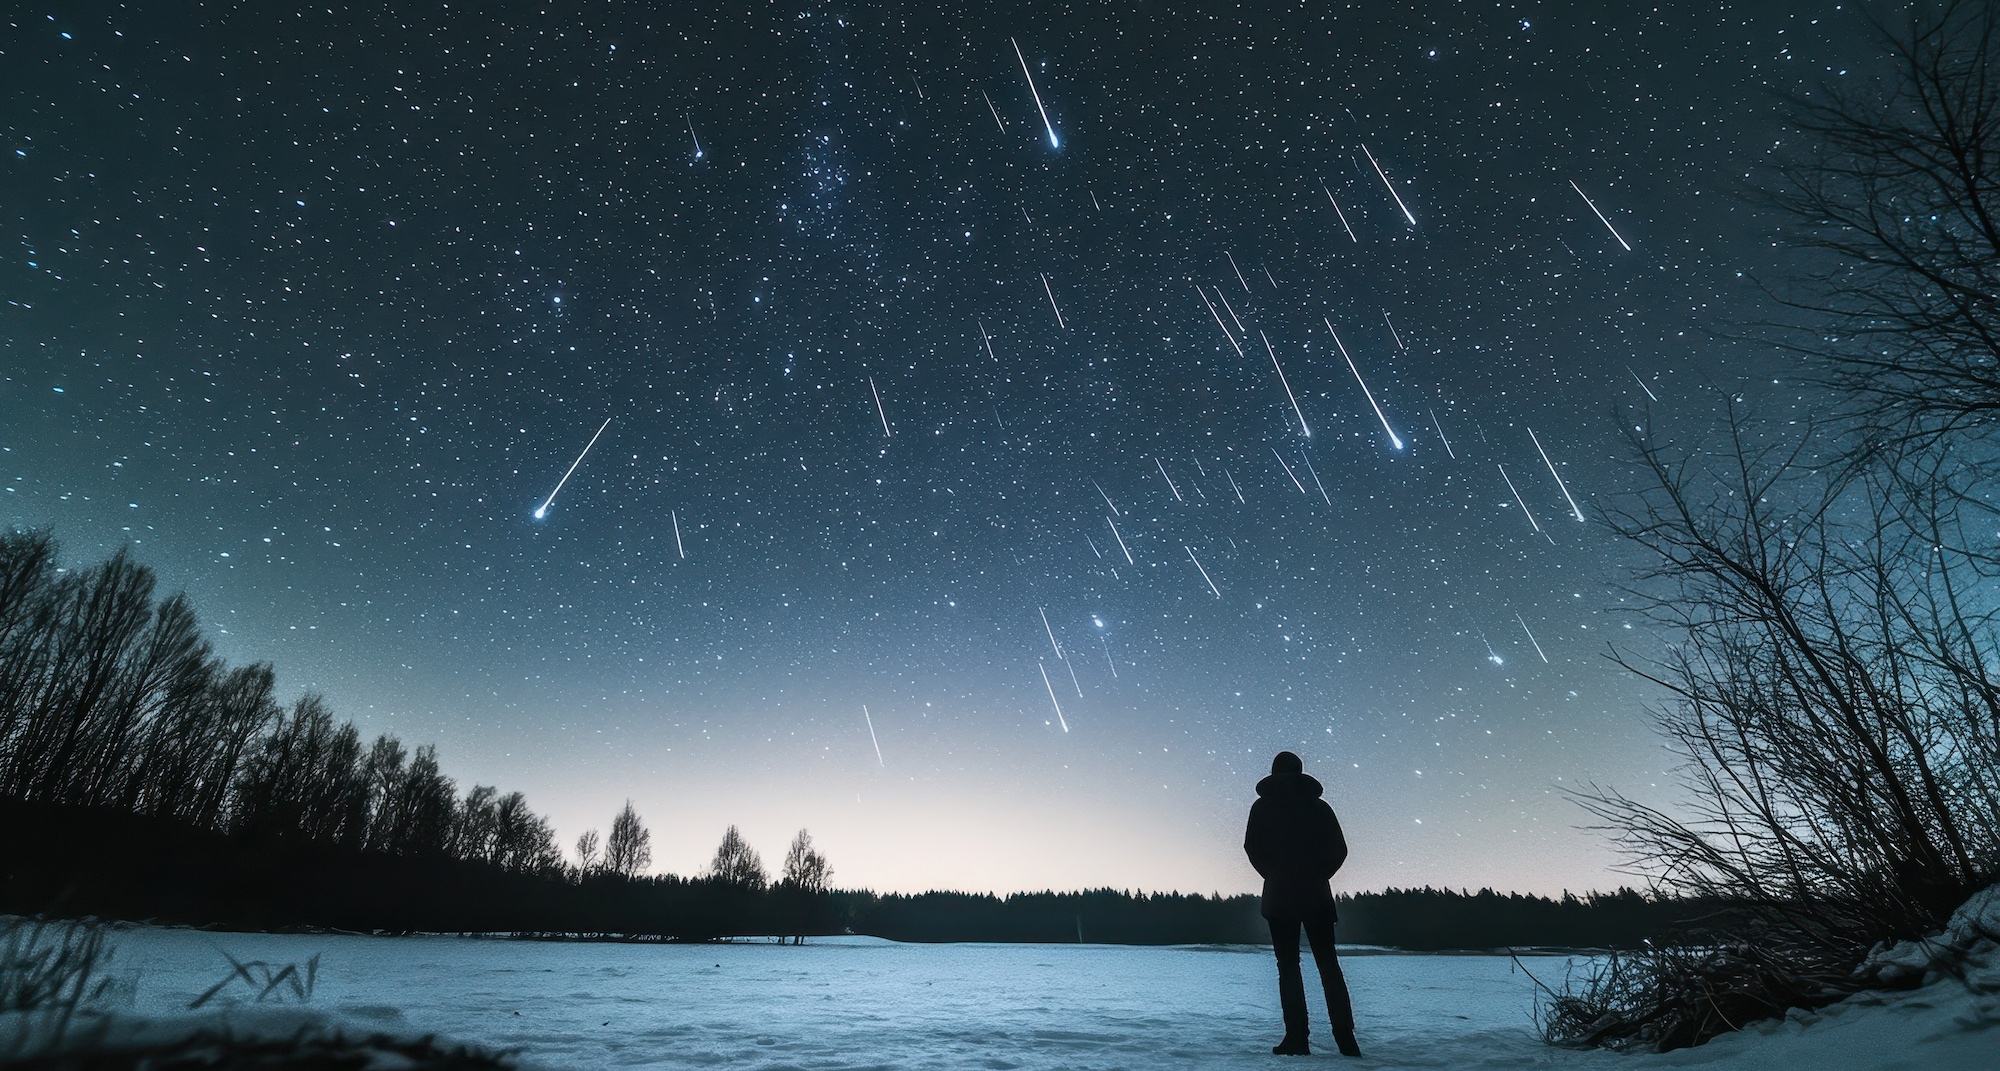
x: 857, y: 1003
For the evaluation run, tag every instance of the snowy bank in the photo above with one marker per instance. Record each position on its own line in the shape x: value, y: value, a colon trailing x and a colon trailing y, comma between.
x: 842, y: 1005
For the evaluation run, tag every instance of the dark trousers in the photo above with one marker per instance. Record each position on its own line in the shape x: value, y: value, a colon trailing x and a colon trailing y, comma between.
x: 1291, y: 985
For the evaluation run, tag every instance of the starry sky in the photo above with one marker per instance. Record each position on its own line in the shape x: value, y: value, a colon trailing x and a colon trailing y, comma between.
x: 984, y: 487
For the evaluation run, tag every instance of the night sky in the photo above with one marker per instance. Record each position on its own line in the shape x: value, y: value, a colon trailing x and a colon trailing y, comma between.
x: 316, y: 309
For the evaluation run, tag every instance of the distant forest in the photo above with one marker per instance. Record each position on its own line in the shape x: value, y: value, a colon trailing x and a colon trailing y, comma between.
x: 143, y: 778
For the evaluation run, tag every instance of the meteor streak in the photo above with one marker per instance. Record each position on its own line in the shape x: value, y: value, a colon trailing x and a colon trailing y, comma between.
x: 871, y: 735
x: 1392, y: 331
x: 1392, y: 187
x: 1531, y: 638
x: 1121, y: 541
x: 1600, y: 215
x: 878, y: 407
x: 1204, y: 572
x: 1053, y: 143
x: 1441, y: 438
x: 1170, y: 481
x: 675, y: 514
x: 1072, y: 678
x: 697, y: 138
x: 1394, y: 439
x: 1338, y: 212
x: 1642, y: 384
x: 1307, y: 458
x: 1232, y: 311
x: 1107, y: 498
x: 1288, y: 470
x: 995, y: 111
x: 1218, y: 321
x: 1233, y: 487
x: 543, y: 509
x: 988, y: 339
x: 1052, y: 696
x: 1237, y: 270
x: 1050, y: 631
x: 1295, y: 398
x: 1523, y: 504
x: 1552, y: 471
x: 1052, y: 302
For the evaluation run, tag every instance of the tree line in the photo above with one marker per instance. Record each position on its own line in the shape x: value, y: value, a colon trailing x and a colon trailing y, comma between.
x: 142, y: 777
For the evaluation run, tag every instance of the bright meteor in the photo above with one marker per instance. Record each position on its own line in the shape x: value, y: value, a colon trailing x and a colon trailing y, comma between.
x: 1052, y: 696
x: 1600, y: 215
x: 1552, y: 471
x: 543, y: 509
x: 1394, y: 439
x: 1053, y: 142
x: 1392, y: 188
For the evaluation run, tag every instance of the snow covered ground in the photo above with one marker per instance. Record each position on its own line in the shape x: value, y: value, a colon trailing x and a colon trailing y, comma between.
x: 852, y: 1004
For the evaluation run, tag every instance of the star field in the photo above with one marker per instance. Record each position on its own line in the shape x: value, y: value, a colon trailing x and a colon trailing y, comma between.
x: 907, y: 407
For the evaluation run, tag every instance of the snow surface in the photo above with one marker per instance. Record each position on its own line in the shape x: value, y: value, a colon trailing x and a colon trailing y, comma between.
x: 858, y: 1003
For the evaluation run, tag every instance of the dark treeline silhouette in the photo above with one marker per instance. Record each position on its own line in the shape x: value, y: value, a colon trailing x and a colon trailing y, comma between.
x: 141, y: 777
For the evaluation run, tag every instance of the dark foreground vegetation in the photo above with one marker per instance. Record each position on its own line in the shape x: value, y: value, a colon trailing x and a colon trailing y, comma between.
x: 1830, y: 591
x: 141, y: 778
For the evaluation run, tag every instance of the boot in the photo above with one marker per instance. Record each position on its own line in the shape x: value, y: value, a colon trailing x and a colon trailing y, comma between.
x: 1293, y: 1045
x: 1345, y: 1040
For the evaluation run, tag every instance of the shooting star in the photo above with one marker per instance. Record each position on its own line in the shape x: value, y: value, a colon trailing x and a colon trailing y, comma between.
x: 919, y: 85
x: 1394, y: 439
x: 1093, y: 546
x: 1107, y: 498
x: 698, y: 154
x: 1268, y: 275
x: 1107, y: 655
x: 1393, y: 333
x: 542, y: 510
x: 1051, y: 632
x: 1052, y: 302
x: 1053, y: 142
x: 1237, y: 270
x: 1307, y: 458
x: 1338, y: 212
x: 1093, y: 201
x: 879, y: 411
x: 1288, y: 389
x: 1522, y: 503
x: 1121, y: 541
x: 1072, y: 677
x: 1600, y: 216
x: 871, y: 736
x: 1052, y: 696
x: 988, y: 339
x: 1492, y: 655
x: 1531, y: 638
x: 1642, y: 384
x: 1441, y: 438
x: 1170, y: 481
x: 1233, y: 487
x: 1218, y: 320
x: 1288, y: 470
x: 675, y: 514
x: 1391, y: 186
x: 995, y: 111
x: 1232, y: 311
x: 1552, y: 471
x: 1204, y: 572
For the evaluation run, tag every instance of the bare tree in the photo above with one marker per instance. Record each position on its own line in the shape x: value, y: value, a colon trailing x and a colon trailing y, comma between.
x: 805, y: 868
x: 628, y: 851
x: 586, y: 853
x: 1901, y: 194
x: 736, y: 863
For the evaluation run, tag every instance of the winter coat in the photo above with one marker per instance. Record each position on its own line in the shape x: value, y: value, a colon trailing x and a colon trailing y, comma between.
x: 1294, y: 841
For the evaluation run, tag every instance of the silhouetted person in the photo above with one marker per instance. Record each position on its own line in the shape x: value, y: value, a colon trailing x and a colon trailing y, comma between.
x: 1294, y: 841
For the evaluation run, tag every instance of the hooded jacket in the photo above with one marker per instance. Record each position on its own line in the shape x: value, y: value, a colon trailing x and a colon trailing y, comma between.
x: 1294, y: 841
